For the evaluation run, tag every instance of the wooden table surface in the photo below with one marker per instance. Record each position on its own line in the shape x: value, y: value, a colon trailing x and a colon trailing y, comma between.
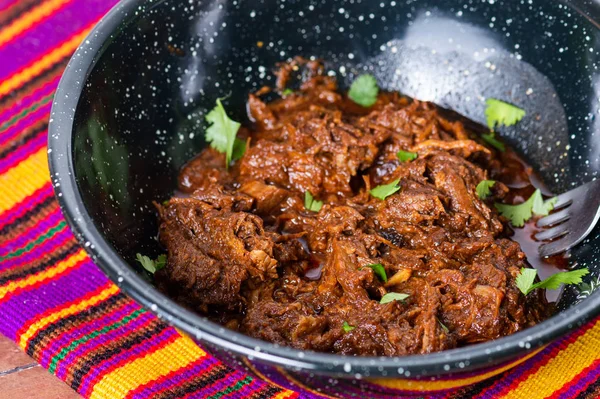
x: 22, y: 378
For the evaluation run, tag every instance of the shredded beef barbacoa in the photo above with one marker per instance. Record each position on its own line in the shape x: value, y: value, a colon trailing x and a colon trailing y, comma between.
x: 243, y: 250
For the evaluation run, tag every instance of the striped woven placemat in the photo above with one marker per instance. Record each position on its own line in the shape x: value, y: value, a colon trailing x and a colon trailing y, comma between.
x: 60, y: 309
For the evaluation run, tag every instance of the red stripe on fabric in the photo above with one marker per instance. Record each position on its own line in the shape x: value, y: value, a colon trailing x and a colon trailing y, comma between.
x: 30, y: 98
x: 78, y: 332
x: 36, y: 229
x: 39, y: 21
x: 582, y: 375
x: 23, y: 152
x: 48, y: 246
x: 32, y: 287
x: 39, y: 116
x: 207, y: 387
x: 537, y: 363
x: 21, y: 209
x: 5, y: 5
x: 164, y: 378
x: 48, y: 312
x: 110, y: 368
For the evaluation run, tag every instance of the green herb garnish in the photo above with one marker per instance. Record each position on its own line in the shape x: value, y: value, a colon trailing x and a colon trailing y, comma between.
x: 221, y: 133
x: 446, y: 330
x: 405, y: 156
x: 393, y: 296
x: 287, y: 92
x: 239, y: 149
x: 500, y: 113
x: 379, y: 271
x: 527, y: 276
x: 519, y: 214
x: 311, y: 203
x: 152, y: 265
x: 483, y: 188
x: 364, y: 90
x: 491, y: 139
x: 384, y: 191
x: 347, y: 327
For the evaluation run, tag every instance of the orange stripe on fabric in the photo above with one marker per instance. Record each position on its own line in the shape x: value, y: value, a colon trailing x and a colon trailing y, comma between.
x: 176, y: 355
x: 43, y: 63
x: 28, y: 19
x: 24, y: 179
x: 43, y: 275
x: 561, y: 369
x: 64, y: 312
x: 422, y: 385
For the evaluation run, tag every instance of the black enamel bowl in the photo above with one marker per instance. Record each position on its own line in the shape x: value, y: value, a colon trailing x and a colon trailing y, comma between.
x: 129, y: 112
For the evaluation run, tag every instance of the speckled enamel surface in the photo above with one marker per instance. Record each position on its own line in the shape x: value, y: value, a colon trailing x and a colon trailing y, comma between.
x: 130, y: 111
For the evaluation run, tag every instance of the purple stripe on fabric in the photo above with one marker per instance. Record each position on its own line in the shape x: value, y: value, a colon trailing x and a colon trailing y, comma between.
x: 38, y: 116
x: 24, y: 151
x: 249, y: 389
x: 140, y: 350
x: 41, y: 250
x: 27, y: 305
x: 50, y: 221
x: 65, y: 365
x: 50, y: 33
x: 27, y: 204
x: 177, y: 378
x: 591, y: 376
x: 66, y: 337
x: 282, y: 381
x: 29, y: 100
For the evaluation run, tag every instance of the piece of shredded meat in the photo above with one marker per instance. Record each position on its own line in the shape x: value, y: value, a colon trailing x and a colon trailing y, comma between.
x: 243, y: 250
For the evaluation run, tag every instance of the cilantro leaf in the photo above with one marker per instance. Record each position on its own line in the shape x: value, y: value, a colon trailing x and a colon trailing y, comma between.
x: 483, y: 188
x: 527, y: 276
x: 393, y: 296
x: 500, y: 113
x: 444, y: 327
x: 384, y: 191
x: 239, y: 149
x: 222, y: 131
x: 519, y: 214
x: 379, y: 271
x: 405, y: 156
x: 364, y: 90
x: 311, y: 203
x: 556, y: 280
x: 152, y: 265
x: 491, y: 139
x: 525, y: 280
x: 287, y: 92
x: 541, y: 207
x: 347, y: 327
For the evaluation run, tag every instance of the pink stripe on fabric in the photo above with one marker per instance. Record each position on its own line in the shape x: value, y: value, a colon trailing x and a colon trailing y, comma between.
x: 10, y: 215
x: 50, y: 33
x: 30, y: 99
x: 39, y: 228
x: 23, y: 152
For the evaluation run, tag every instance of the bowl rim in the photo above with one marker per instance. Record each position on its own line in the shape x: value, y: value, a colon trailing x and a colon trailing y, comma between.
x: 60, y: 157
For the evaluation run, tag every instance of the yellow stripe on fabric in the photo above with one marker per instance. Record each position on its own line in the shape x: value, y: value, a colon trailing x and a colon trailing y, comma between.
x: 263, y: 377
x: 24, y: 179
x: 43, y: 275
x: 562, y: 368
x: 28, y: 19
x: 42, y: 64
x: 284, y: 394
x: 419, y: 385
x: 179, y: 353
x: 64, y: 312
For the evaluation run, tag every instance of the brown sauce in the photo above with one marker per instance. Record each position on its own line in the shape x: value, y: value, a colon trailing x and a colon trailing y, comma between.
x: 244, y: 251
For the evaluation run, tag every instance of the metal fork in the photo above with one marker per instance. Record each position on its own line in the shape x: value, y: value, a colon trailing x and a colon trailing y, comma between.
x: 577, y: 212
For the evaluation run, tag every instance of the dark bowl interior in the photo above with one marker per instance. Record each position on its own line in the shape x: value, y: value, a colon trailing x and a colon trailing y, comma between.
x: 130, y: 112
